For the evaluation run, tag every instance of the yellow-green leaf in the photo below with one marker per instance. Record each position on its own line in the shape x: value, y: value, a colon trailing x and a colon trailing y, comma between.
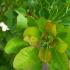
x: 14, y: 45
x: 51, y: 28
x: 32, y: 35
x: 32, y: 31
x: 61, y: 46
x: 45, y: 55
x: 27, y: 59
x: 21, y: 22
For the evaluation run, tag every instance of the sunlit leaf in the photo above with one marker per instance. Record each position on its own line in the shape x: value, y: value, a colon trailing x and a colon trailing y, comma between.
x: 21, y: 22
x: 32, y: 35
x: 32, y: 31
x: 61, y: 46
x: 27, y: 59
x: 51, y: 28
x: 45, y: 55
x: 14, y: 45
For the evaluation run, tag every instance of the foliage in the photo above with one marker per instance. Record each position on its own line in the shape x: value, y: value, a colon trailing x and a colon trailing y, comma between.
x: 39, y: 34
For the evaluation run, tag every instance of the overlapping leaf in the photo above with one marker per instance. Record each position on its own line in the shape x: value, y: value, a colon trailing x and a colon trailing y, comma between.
x: 27, y: 59
x: 59, y: 61
x: 15, y: 45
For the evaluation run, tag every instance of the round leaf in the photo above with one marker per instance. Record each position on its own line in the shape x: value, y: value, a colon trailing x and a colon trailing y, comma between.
x: 27, y: 59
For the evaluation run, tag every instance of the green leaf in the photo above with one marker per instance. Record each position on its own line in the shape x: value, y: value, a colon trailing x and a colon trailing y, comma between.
x: 67, y: 38
x: 68, y: 52
x: 10, y: 16
x: 51, y: 66
x: 21, y: 22
x: 33, y: 41
x: 14, y: 45
x: 65, y: 19
x: 60, y: 27
x: 32, y: 21
x: 59, y: 61
x: 51, y: 28
x: 3, y: 67
x: 32, y: 36
x: 21, y: 11
x: 32, y: 31
x: 42, y: 55
x: 45, y: 55
x: 41, y: 24
x: 44, y: 13
x: 27, y: 59
x: 1, y: 35
x: 61, y: 31
x: 61, y: 46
